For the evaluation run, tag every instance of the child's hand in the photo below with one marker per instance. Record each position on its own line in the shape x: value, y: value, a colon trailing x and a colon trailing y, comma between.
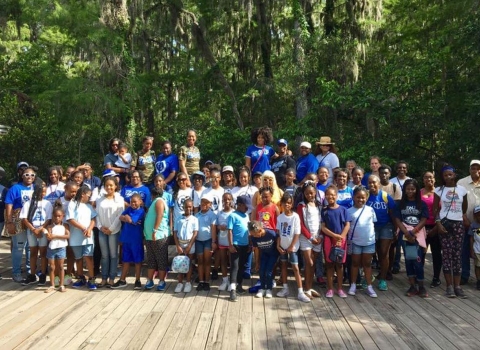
x: 290, y: 249
x: 179, y: 250
x: 187, y: 250
x: 128, y: 219
x: 49, y: 236
x: 87, y: 232
x: 281, y: 250
x: 232, y: 249
x: 214, y: 246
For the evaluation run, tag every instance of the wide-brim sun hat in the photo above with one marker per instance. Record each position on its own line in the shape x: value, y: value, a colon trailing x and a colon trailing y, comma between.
x: 325, y: 141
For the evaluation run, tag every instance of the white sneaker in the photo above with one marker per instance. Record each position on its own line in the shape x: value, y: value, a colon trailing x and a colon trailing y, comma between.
x: 188, y: 287
x: 283, y: 293
x: 274, y: 284
x: 268, y: 294
x: 303, y: 297
x: 224, y: 285
x: 179, y: 288
x: 260, y: 293
x: 371, y: 292
x: 352, y: 290
x: 67, y: 280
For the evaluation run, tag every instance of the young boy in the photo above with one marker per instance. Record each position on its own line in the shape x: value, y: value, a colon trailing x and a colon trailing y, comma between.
x: 131, y: 237
x: 474, y: 233
x: 238, y: 246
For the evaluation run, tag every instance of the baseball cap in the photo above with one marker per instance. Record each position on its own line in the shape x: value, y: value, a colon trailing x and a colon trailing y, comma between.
x: 282, y: 142
x: 207, y: 197
x: 306, y: 144
x: 246, y: 200
x: 198, y: 173
x: 475, y: 161
x: 257, y: 173
x: 227, y: 168
x: 208, y: 162
x: 20, y: 164
x: 109, y: 172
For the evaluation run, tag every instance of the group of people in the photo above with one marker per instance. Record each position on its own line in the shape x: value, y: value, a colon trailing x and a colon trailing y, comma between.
x: 332, y: 225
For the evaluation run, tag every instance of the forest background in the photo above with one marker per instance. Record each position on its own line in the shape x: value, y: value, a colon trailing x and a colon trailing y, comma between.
x: 395, y: 78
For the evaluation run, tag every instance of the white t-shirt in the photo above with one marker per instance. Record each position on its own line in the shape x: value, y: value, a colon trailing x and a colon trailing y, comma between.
x: 222, y: 235
x: 83, y: 214
x: 120, y: 163
x: 364, y: 234
x: 185, y: 227
x: 217, y: 194
x: 178, y: 203
x: 451, y: 199
x: 197, y: 195
x: 42, y: 214
x: 399, y: 182
x: 287, y: 227
x: 58, y: 230
x: 244, y: 191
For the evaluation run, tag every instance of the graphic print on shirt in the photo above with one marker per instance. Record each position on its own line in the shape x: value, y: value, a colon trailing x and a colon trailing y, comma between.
x: 452, y: 199
x: 285, y: 229
x: 411, y: 215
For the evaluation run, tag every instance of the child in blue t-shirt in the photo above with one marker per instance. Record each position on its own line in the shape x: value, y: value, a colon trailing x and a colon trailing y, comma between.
x: 131, y: 237
x: 206, y: 241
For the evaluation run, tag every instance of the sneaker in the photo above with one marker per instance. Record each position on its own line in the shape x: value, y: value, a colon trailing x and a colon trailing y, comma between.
x: 412, y: 291
x: 199, y: 286
x: 422, y: 292
x: 260, y: 293
x: 284, y: 293
x: 329, y: 293
x: 478, y: 284
x: 79, y: 283
x: 42, y: 279
x: 149, y: 285
x: 435, y: 283
x: 56, y: 281
x: 371, y: 292
x: 67, y: 280
x: 395, y: 270
x: 274, y: 284
x: 303, y: 298
x: 449, y: 293
x: 246, y: 276
x: 321, y: 281
x: 161, y: 286
x: 341, y: 293
x: 16, y: 277
x: 138, y: 285
x: 206, y: 286
x: 353, y: 289
x: 233, y: 295
x: 268, y: 294
x: 241, y: 290
x: 214, y: 275
x: 31, y: 279
x: 224, y: 285
x: 188, y: 287
x: 178, y: 288
x: 463, y: 281
x: 91, y: 285
x: 460, y: 293
x: 382, y: 285
x: 119, y: 284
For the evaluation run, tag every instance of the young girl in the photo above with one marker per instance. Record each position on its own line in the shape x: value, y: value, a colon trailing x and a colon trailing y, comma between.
x: 185, y: 233
x: 206, y: 241
x: 109, y: 208
x: 310, y: 239
x: 290, y: 187
x: 58, y: 235
x: 215, y: 192
x: 335, y: 226
x: 357, y: 175
x: 198, y: 180
x: 180, y: 193
x: 81, y: 219
x: 323, y: 179
x: 410, y: 217
x: 36, y: 215
x: 345, y: 193
x: 222, y: 220
x: 362, y: 239
x: 244, y: 188
x: 288, y: 230
x: 55, y: 188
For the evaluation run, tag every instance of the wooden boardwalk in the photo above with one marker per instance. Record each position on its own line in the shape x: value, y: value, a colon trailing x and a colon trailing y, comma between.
x: 128, y: 319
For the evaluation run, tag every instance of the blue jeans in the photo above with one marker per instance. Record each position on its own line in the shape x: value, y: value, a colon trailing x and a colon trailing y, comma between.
x: 466, y: 256
x: 267, y: 262
x: 19, y: 244
x: 415, y: 267
x: 109, y: 249
x: 319, y: 267
x: 398, y: 250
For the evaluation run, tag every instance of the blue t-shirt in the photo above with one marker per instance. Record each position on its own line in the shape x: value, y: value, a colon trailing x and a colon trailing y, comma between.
x: 259, y: 157
x: 165, y: 165
x: 205, y: 220
x: 345, y: 197
x: 306, y: 164
x: 93, y: 182
x: 110, y: 158
x: 411, y: 214
x: 335, y: 219
x: 18, y: 195
x: 267, y: 243
x: 381, y: 207
x: 238, y: 223
x: 133, y: 233
x: 128, y: 191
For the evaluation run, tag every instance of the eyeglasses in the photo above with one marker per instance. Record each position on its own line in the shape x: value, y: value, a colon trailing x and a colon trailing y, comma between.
x: 183, y: 179
x: 114, y: 144
x: 197, y: 179
x: 29, y: 175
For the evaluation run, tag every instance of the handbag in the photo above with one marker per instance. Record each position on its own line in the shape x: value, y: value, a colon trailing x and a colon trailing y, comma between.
x: 17, y: 222
x: 336, y: 255
x: 181, y: 264
x: 411, y: 252
x: 349, y: 241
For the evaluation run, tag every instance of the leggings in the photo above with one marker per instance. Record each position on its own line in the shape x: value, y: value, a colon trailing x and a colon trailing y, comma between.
x: 452, y: 242
x: 237, y: 264
x: 436, y: 248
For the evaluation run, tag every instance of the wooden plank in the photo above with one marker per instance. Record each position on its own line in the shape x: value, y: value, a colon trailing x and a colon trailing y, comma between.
x: 217, y: 327
x: 244, y: 338
x: 273, y: 323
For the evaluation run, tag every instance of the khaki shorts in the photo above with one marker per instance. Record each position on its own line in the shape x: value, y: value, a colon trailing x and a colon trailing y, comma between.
x: 477, y: 259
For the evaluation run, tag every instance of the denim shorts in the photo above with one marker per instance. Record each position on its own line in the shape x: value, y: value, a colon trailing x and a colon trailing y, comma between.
x: 201, y: 246
x: 384, y: 232
x: 33, y: 241
x: 358, y: 249
x: 57, y: 254
x: 82, y: 250
x: 292, y: 258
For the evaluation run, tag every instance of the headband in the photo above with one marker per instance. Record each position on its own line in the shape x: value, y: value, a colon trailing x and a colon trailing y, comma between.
x: 448, y: 167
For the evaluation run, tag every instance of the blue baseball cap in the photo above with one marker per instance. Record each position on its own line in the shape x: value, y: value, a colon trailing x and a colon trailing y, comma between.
x: 282, y: 142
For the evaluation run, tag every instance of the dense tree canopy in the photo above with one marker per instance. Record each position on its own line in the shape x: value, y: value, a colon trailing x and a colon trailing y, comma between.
x: 388, y: 77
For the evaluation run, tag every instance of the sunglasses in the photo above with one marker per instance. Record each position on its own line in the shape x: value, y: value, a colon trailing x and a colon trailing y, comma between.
x: 28, y: 175
x: 183, y: 179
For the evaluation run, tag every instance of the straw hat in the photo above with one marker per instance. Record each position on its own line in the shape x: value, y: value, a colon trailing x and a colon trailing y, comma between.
x: 325, y: 140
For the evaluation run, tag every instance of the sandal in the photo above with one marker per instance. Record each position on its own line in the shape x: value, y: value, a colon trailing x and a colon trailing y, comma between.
x: 314, y: 293
x: 62, y: 289
x: 102, y: 284
x: 50, y: 289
